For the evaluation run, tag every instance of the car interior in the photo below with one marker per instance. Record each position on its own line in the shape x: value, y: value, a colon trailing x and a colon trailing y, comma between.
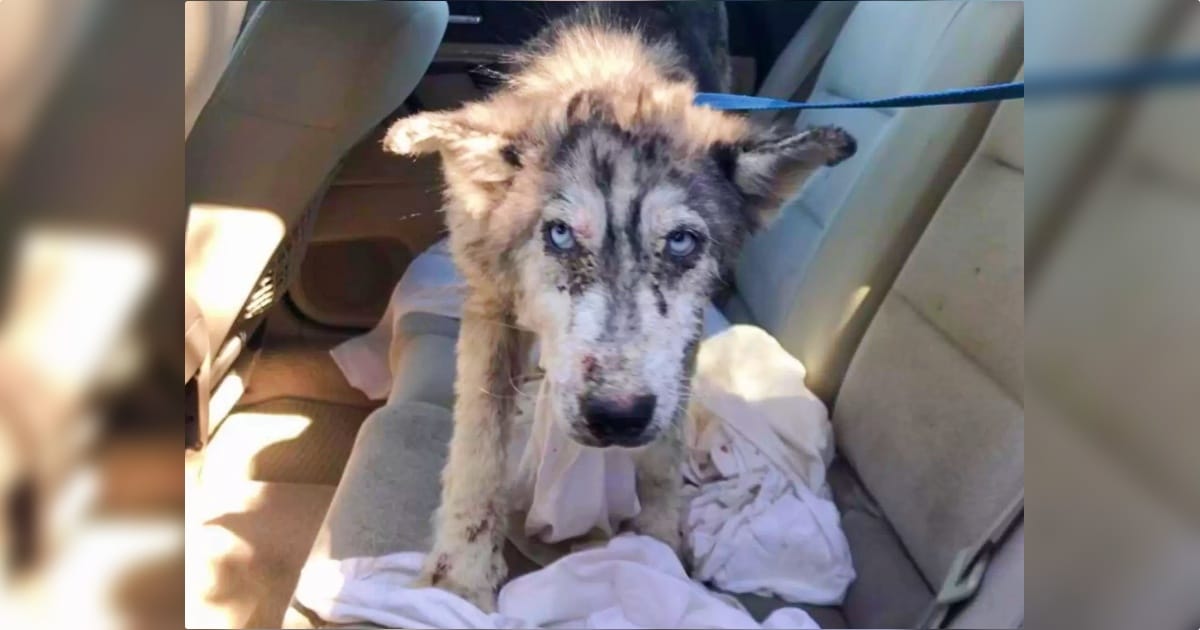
x: 899, y: 279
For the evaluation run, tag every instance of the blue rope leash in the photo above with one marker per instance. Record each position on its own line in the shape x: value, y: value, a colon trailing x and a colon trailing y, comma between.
x: 1091, y: 81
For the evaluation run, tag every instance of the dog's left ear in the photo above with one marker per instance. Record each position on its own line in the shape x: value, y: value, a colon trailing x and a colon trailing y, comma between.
x: 768, y: 167
x: 487, y: 156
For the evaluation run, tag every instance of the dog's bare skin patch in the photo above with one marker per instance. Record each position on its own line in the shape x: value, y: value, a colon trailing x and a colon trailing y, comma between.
x: 591, y: 205
x: 475, y: 530
x: 440, y: 568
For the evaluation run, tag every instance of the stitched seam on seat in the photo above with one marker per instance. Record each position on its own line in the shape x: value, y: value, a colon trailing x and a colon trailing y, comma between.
x: 806, y: 210
x: 999, y: 160
x: 234, y: 109
x: 971, y: 358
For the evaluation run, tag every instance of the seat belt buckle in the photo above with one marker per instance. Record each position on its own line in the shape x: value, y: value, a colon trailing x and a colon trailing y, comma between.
x: 963, y: 579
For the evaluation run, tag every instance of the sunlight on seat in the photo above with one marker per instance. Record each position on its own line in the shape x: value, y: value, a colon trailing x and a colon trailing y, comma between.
x: 214, y: 558
x: 225, y: 250
x: 852, y: 305
x: 245, y: 542
x: 219, y: 592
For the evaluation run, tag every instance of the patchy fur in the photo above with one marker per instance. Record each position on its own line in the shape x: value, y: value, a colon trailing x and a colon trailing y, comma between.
x: 591, y: 203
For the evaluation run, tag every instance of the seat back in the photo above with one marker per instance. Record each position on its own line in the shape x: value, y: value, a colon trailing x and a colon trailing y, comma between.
x: 816, y: 276
x: 306, y: 81
x: 931, y: 414
x: 209, y: 30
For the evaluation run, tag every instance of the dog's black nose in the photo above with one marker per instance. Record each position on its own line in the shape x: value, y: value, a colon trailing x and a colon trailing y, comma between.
x: 616, y: 421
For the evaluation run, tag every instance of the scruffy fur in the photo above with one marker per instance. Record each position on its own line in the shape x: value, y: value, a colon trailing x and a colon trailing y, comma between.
x: 594, y: 136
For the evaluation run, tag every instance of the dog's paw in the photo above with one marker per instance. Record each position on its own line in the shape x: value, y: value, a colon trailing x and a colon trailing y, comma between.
x: 482, y: 597
x: 662, y: 526
x: 472, y: 576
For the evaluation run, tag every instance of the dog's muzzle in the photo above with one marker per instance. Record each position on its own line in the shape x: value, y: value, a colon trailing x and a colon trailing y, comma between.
x: 619, y: 421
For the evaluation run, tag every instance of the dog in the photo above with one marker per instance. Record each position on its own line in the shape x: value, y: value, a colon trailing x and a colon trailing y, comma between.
x: 592, y: 206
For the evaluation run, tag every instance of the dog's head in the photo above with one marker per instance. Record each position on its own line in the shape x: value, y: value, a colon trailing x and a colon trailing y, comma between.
x: 605, y: 219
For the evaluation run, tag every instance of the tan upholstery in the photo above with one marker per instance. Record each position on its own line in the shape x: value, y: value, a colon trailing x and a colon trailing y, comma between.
x: 388, y: 490
x: 815, y: 278
x: 888, y: 592
x: 425, y: 371
x: 305, y: 83
x: 930, y: 415
x: 209, y: 30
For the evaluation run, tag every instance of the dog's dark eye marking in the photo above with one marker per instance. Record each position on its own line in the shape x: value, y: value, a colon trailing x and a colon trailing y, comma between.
x: 579, y: 263
x: 633, y: 224
x: 581, y: 272
x: 660, y: 300
x: 604, y: 173
x: 510, y: 155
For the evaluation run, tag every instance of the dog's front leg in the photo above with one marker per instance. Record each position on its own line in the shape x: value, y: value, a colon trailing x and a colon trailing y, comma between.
x: 469, y: 527
x: 659, y: 481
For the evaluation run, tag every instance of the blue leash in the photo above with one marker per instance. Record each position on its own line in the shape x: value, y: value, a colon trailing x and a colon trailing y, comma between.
x: 1090, y: 81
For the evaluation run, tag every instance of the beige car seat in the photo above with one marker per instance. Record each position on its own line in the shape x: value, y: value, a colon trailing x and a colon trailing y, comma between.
x: 304, y: 83
x: 816, y: 276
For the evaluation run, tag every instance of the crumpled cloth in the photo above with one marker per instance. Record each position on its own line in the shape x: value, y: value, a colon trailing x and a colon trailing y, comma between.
x: 761, y: 517
x: 631, y: 582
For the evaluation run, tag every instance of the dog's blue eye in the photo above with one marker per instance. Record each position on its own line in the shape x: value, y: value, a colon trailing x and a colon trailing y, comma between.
x: 680, y: 243
x: 560, y: 235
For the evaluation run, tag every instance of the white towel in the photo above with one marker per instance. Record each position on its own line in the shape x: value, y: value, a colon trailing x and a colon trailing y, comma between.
x: 761, y: 519
x: 632, y: 582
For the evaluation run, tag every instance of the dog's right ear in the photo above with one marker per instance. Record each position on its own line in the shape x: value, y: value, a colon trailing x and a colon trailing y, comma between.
x: 487, y: 156
x: 769, y: 166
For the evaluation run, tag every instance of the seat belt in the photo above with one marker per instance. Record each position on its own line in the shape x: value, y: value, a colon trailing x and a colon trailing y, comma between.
x: 970, y: 563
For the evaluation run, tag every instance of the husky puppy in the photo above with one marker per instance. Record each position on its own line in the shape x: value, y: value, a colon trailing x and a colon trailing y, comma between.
x: 593, y: 206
